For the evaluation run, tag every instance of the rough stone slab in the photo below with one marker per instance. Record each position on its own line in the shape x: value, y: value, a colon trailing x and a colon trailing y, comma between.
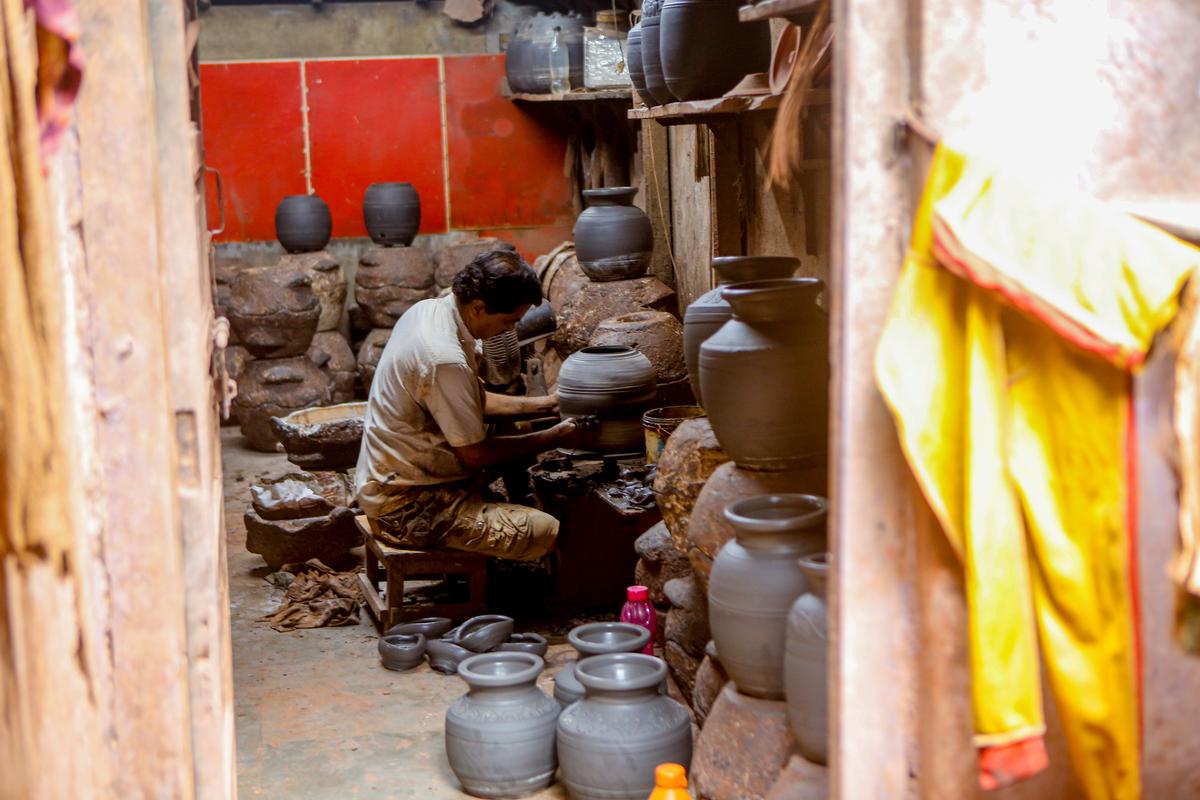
x: 710, y: 679
x: 683, y: 669
x: 688, y: 629
x: 744, y: 746
x: 802, y: 780
x: 688, y: 460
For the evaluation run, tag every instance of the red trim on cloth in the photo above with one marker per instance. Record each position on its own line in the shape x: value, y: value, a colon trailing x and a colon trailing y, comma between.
x: 1131, y: 524
x: 1005, y: 764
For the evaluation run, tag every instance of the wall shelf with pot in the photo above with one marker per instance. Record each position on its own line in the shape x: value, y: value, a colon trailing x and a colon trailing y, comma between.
x: 798, y: 11
x: 575, y: 96
x: 695, y: 112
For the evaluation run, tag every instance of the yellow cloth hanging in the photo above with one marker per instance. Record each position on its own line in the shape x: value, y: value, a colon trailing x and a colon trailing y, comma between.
x: 1003, y: 359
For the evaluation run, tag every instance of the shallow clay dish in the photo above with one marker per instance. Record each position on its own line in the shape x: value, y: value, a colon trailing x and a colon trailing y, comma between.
x: 400, y: 652
x: 484, y: 632
x: 429, y: 627
x: 783, y: 60
x: 444, y: 656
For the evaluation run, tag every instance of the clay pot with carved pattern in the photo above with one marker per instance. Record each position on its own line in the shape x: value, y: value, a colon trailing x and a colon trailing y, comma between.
x: 276, y: 388
x: 274, y: 310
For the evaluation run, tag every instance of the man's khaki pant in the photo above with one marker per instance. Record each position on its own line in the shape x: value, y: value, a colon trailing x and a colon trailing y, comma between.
x: 459, y: 516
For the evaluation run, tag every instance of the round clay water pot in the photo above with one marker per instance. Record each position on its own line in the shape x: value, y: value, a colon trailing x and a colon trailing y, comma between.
x: 705, y: 50
x: 322, y: 438
x: 274, y: 310
x: 500, y: 735
x: 656, y: 84
x: 610, y: 742
x: 764, y: 375
x: 655, y: 334
x: 525, y: 643
x: 302, y: 223
x: 593, y: 639
x: 482, y: 633
x: 633, y: 57
x: 615, y: 382
x: 516, y: 59
x: 276, y: 388
x: 710, y: 311
x: 805, y: 663
x: 755, y: 579
x: 401, y: 652
x: 429, y: 627
x: 613, y: 238
x: 392, y: 213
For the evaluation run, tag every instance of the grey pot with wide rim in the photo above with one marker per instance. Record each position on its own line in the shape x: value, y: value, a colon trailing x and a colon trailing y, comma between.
x: 615, y: 382
x: 392, y: 213
x: 764, y: 375
x: 303, y: 223
x: 613, y: 237
x: 500, y: 735
x: 610, y: 742
x: 593, y: 639
x: 805, y: 663
x: 708, y: 312
x: 704, y: 50
x: 754, y: 582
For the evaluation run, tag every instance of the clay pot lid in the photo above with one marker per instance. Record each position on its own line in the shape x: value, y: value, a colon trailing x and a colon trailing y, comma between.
x: 611, y: 193
x: 595, y: 638
x: 503, y: 668
x: 620, y: 672
x: 777, y: 513
x: 753, y: 85
x: 783, y: 60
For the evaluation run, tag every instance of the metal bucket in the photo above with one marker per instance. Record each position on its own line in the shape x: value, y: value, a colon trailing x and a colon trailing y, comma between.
x: 658, y: 423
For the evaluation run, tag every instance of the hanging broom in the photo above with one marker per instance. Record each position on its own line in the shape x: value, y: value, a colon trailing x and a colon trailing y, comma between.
x: 813, y: 65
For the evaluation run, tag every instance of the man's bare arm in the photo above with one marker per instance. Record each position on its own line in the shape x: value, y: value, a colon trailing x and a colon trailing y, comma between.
x: 570, y: 433
x: 503, y: 405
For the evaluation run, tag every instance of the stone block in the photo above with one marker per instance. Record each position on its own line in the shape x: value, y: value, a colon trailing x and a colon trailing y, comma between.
x: 710, y: 679
x: 683, y: 669
x: 742, y: 749
x: 801, y: 780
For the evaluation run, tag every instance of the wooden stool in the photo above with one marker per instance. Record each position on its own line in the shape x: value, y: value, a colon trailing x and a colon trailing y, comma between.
x: 391, y: 566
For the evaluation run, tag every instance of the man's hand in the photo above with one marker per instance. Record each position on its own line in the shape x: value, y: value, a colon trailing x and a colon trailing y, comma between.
x: 578, y: 433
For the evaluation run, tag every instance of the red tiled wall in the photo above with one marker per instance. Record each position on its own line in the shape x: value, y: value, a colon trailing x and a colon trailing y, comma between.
x: 494, y: 168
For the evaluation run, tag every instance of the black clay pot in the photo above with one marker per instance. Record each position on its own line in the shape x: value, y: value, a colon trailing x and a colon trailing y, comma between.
x: 527, y: 61
x: 613, y: 238
x: 704, y: 51
x: 392, y: 213
x: 633, y: 57
x: 302, y: 223
x: 618, y: 384
x: 656, y: 84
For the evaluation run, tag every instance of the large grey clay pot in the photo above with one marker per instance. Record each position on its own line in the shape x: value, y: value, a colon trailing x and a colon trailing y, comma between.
x: 527, y: 60
x: 303, y: 223
x: 705, y: 51
x: 710, y: 311
x: 500, y: 735
x: 392, y: 213
x: 613, y: 237
x: 754, y: 581
x: 593, y: 639
x: 610, y: 741
x: 656, y: 85
x: 764, y: 375
x: 615, y: 382
x: 805, y: 666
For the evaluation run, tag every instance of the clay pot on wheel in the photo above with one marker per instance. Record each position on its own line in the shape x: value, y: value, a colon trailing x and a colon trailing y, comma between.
x: 656, y: 84
x: 805, y: 669
x: 392, y: 213
x: 610, y: 742
x: 755, y: 579
x: 500, y: 735
x: 613, y: 238
x: 710, y: 311
x: 705, y: 50
x: 593, y: 639
x: 274, y: 310
x: 617, y: 383
x: 276, y: 388
x: 400, y: 651
x: 764, y: 375
x: 302, y: 223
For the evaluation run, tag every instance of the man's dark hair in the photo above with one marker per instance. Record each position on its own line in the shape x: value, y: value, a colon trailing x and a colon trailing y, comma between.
x: 501, y: 279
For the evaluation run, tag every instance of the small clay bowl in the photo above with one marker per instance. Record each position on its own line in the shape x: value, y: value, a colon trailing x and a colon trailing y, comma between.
x: 525, y: 643
x: 444, y: 656
x: 429, y: 627
x: 483, y: 633
x: 401, y: 651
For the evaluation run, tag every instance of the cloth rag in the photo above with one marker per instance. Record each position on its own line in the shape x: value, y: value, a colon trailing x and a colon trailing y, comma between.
x: 318, y: 597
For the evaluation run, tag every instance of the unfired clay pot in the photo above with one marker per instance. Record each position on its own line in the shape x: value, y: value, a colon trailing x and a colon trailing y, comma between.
x: 482, y: 633
x: 331, y: 352
x: 389, y: 281
x: 274, y: 310
x: 610, y: 742
x: 525, y: 643
x: 276, y: 388
x: 303, y: 223
x: 655, y: 334
x: 527, y: 61
x: 500, y: 735
x: 369, y: 353
x: 391, y: 213
x: 764, y: 376
x: 401, y: 651
x: 613, y: 238
x: 322, y: 438
x: 805, y: 668
x: 710, y: 311
x: 755, y: 579
x: 593, y: 639
x: 656, y: 84
x: 615, y: 382
x: 705, y: 50
x: 429, y: 627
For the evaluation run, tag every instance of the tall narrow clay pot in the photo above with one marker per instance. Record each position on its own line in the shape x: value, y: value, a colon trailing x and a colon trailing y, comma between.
x: 610, y: 742
x: 500, y: 735
x: 613, y: 237
x: 594, y: 639
x: 392, y: 213
x: 710, y: 311
x: 764, y: 375
x: 616, y: 383
x: 754, y: 582
x: 705, y: 51
x: 656, y: 85
x: 805, y: 668
x: 303, y: 223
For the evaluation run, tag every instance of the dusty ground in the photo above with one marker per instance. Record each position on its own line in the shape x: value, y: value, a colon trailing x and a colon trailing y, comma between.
x: 317, y: 716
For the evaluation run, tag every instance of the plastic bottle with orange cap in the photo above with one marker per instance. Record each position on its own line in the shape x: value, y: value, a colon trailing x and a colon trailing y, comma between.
x: 670, y: 783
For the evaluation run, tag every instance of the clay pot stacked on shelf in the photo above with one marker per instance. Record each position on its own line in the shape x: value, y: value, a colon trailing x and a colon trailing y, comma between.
x: 705, y: 51
x: 527, y: 59
x: 613, y: 237
x: 392, y: 213
x: 656, y: 85
x: 637, y: 70
x: 303, y: 223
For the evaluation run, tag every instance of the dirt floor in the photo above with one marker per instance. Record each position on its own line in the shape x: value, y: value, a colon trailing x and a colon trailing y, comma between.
x: 317, y: 716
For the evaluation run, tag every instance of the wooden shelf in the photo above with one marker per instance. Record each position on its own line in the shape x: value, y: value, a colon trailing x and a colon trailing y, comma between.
x: 694, y: 112
x: 795, y: 10
x: 577, y: 96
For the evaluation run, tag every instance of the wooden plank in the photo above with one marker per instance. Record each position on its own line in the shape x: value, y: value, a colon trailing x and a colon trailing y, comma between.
x: 691, y: 216
x: 655, y: 197
x: 797, y: 11
x: 728, y: 187
x: 576, y: 96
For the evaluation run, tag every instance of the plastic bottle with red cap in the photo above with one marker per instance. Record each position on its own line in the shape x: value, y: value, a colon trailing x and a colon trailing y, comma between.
x: 670, y: 783
x: 640, y: 611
